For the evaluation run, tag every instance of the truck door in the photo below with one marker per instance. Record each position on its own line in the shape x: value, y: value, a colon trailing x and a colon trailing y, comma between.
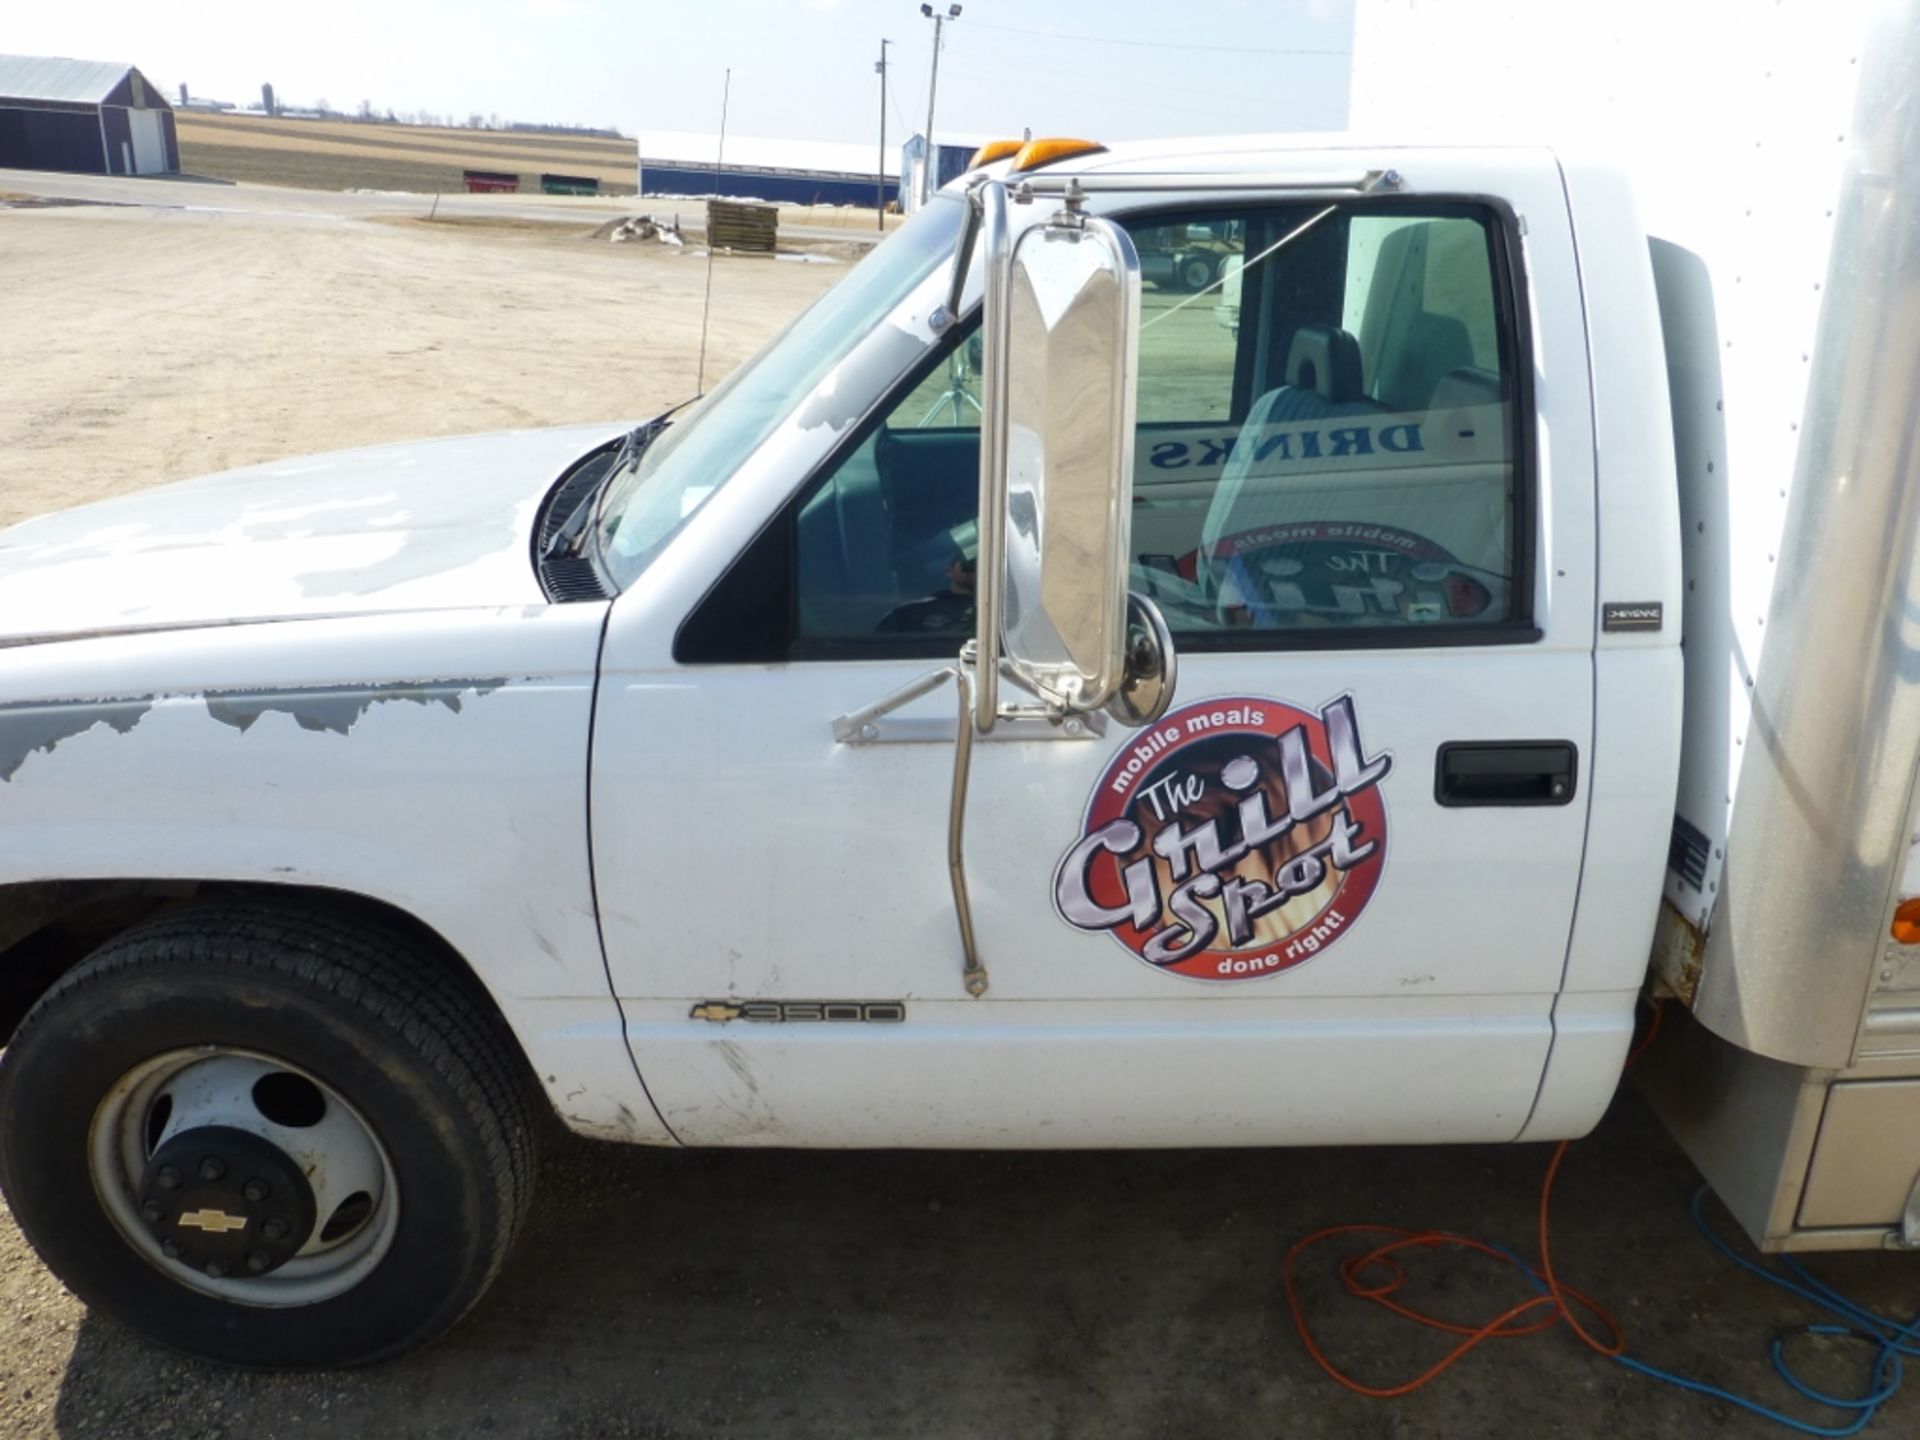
x: 1327, y: 898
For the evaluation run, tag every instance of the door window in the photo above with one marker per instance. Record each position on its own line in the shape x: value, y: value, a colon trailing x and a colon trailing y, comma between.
x: 1329, y: 452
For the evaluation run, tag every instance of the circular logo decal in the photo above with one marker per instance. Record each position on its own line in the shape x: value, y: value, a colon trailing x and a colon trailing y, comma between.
x: 1345, y: 572
x: 1236, y: 838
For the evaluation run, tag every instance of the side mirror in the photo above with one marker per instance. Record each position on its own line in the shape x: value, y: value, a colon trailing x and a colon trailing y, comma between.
x: 1056, y: 470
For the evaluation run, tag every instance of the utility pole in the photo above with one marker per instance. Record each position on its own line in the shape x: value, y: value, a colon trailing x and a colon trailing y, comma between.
x: 880, y: 175
x: 933, y: 86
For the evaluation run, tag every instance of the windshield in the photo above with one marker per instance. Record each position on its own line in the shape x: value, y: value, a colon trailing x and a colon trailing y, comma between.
x: 683, y: 467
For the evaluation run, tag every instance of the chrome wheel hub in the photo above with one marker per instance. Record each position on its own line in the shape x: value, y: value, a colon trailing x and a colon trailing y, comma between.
x: 243, y: 1177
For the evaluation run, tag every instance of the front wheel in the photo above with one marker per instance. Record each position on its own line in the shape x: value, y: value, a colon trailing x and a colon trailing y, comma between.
x: 270, y: 1136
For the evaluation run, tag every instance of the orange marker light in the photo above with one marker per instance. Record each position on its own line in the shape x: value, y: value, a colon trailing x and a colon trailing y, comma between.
x: 994, y: 150
x: 1036, y: 153
x: 1906, y: 922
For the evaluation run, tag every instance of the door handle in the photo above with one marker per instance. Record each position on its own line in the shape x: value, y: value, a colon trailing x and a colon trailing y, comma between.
x: 1506, y: 772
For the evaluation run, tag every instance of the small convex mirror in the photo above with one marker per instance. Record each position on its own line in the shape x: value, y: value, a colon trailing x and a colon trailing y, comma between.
x: 1072, y: 301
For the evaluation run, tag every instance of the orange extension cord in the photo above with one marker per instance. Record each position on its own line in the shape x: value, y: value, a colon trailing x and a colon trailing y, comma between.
x: 1377, y: 1276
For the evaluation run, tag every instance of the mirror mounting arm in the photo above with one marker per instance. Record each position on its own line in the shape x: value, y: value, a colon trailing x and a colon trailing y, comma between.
x: 944, y: 314
x: 973, y: 975
x: 990, y: 571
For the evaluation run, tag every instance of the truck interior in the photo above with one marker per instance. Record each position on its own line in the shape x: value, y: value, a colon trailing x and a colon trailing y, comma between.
x: 1346, y: 455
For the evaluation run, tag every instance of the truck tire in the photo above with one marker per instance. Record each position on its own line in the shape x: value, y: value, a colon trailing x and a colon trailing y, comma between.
x: 270, y: 1135
x: 1196, y: 272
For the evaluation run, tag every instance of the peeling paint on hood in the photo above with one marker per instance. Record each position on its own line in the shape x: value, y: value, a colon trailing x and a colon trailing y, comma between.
x: 27, y: 728
x: 41, y: 726
x: 430, y: 525
x: 338, y: 708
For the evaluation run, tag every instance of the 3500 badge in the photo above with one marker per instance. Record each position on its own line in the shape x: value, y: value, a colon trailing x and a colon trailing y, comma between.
x: 1235, y: 839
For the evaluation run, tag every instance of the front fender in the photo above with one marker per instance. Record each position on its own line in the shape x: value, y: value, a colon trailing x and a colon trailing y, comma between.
x: 434, y: 762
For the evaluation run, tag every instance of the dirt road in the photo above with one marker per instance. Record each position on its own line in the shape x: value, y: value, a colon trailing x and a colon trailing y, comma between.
x: 783, y: 1295
x: 139, y: 345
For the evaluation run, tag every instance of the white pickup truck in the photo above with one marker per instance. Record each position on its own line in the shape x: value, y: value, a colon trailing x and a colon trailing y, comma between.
x: 1168, y: 733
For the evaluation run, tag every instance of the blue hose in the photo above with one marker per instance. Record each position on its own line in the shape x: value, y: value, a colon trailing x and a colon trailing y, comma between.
x: 1889, y: 1339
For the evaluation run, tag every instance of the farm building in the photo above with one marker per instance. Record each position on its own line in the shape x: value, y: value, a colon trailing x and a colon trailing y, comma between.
x: 97, y: 117
x: 792, y: 172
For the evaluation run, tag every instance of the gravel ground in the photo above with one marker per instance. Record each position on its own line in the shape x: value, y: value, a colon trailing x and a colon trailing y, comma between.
x: 682, y: 1294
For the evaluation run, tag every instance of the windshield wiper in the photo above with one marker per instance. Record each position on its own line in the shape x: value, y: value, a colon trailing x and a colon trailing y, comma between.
x: 571, y: 538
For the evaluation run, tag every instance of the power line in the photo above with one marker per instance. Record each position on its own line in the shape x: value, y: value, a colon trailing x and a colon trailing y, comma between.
x: 1153, y: 44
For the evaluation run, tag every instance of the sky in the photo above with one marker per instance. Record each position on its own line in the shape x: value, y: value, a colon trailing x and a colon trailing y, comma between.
x: 802, y: 69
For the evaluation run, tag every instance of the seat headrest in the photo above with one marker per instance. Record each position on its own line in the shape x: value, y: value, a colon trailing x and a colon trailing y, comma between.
x: 1326, y: 360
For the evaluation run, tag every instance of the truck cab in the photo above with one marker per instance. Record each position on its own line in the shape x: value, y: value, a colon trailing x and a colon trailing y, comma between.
x: 1367, y: 512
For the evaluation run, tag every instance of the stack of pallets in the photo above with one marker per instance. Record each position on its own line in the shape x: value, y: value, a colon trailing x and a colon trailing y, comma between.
x: 734, y: 225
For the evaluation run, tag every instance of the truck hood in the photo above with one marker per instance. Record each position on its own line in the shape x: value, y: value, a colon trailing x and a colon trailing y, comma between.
x: 429, y: 525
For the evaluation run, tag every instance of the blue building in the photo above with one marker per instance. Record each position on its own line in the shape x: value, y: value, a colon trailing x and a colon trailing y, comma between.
x: 787, y: 172
x: 95, y: 117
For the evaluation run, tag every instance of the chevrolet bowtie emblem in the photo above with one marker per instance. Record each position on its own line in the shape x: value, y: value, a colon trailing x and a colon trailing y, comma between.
x: 215, y: 1222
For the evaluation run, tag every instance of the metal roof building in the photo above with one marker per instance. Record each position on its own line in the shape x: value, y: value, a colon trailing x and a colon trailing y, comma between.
x: 794, y: 172
x: 97, y: 117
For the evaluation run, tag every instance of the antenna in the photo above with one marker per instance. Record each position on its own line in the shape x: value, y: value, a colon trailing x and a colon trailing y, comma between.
x: 880, y: 176
x: 706, y: 305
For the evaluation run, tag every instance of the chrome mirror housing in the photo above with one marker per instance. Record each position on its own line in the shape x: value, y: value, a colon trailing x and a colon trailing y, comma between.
x: 1063, y: 325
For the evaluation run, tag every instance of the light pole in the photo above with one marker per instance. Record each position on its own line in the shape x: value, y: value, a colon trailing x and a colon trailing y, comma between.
x: 933, y: 86
x: 880, y: 175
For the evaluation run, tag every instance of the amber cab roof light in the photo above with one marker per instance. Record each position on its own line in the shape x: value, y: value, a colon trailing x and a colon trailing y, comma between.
x: 1037, y: 153
x: 994, y: 150
x: 1906, y: 923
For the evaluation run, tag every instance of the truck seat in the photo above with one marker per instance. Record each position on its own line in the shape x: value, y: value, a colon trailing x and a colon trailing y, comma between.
x: 1448, y: 496
x: 1323, y: 376
x: 1410, y: 370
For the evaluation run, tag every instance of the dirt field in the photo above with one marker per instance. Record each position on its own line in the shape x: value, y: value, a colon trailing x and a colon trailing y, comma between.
x: 152, y: 345
x: 346, y: 155
x: 668, y: 1295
